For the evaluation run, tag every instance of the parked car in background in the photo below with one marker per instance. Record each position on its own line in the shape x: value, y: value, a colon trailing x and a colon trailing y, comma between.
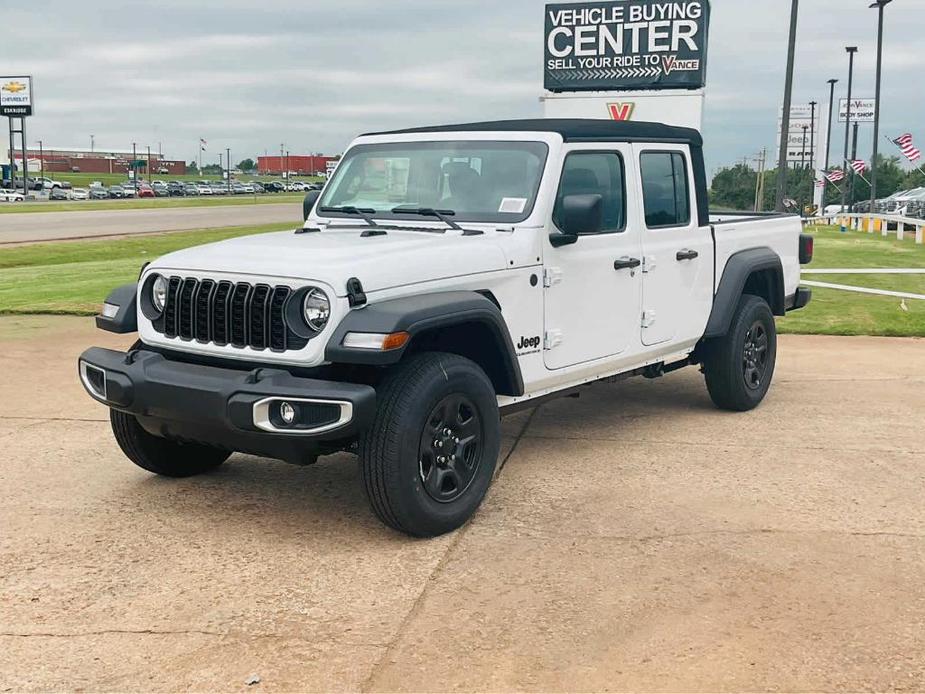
x: 191, y: 189
x: 176, y: 188
x: 204, y: 189
x: 58, y: 193
x: 129, y: 190
x: 50, y: 184
x: 11, y: 195
x: 145, y: 191
x: 274, y: 187
x: 80, y: 194
x: 258, y: 187
x: 99, y: 192
x: 219, y: 189
x: 118, y: 192
x: 160, y: 189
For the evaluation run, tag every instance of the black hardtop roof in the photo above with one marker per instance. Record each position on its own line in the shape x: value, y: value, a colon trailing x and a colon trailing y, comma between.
x: 574, y: 130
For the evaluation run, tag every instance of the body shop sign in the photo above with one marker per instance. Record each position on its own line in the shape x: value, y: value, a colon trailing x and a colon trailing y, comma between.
x: 626, y: 44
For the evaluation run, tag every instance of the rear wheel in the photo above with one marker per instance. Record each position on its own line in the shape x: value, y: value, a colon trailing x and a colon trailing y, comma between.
x: 429, y: 457
x: 162, y: 456
x: 740, y: 365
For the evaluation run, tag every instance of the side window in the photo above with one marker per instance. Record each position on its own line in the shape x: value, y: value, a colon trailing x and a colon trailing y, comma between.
x: 665, y: 190
x: 595, y: 173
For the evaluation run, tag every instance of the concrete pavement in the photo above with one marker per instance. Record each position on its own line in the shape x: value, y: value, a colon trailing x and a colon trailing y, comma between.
x: 21, y: 227
x: 635, y: 539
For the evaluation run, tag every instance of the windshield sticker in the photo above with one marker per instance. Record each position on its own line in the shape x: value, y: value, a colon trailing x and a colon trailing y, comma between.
x: 513, y: 205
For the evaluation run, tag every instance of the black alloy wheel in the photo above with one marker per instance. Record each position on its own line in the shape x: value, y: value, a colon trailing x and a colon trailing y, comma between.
x: 451, y: 448
x: 755, y: 355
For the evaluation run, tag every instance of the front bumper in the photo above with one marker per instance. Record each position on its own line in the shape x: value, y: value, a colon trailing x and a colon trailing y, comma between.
x: 233, y: 409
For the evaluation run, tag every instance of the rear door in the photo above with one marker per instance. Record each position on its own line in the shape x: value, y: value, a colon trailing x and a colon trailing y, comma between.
x: 592, y: 288
x: 677, y: 272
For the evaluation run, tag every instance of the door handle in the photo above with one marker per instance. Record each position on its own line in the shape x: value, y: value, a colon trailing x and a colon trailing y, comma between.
x: 626, y: 263
x: 687, y: 255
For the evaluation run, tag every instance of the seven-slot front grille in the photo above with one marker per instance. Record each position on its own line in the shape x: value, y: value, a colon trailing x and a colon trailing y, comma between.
x: 228, y: 313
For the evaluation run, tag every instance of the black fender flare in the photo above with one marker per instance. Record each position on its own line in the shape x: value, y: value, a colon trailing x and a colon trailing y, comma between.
x: 126, y: 318
x: 736, y: 273
x: 423, y: 313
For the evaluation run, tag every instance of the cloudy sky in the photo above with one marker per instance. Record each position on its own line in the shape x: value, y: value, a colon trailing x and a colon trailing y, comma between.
x: 251, y: 74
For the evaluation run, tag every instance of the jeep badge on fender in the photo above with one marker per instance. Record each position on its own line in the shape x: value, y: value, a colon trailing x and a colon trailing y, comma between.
x: 386, y: 325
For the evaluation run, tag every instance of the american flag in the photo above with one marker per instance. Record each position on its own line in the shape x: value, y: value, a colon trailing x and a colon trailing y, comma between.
x: 820, y: 183
x: 835, y: 175
x: 859, y: 166
x: 909, y: 150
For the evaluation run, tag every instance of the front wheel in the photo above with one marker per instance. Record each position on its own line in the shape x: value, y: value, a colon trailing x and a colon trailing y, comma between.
x: 430, y: 454
x: 739, y: 365
x: 162, y: 456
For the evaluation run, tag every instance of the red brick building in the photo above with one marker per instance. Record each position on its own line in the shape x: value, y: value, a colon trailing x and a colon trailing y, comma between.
x: 301, y: 164
x: 102, y: 161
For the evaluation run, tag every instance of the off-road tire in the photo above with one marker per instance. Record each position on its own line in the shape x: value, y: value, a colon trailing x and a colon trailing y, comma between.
x: 394, y: 465
x: 726, y: 363
x: 162, y: 456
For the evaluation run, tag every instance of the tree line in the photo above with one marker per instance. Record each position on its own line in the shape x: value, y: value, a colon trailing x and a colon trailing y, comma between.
x: 733, y: 187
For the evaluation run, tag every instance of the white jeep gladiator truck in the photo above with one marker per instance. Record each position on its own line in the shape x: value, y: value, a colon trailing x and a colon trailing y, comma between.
x: 446, y: 276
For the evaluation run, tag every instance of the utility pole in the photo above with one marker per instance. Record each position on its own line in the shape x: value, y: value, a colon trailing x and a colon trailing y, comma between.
x: 812, y: 136
x: 785, y: 116
x: 148, y: 166
x: 281, y: 173
x: 221, y: 164
x: 42, y: 158
x: 91, y: 144
x: 880, y: 5
x: 133, y: 168
x: 851, y: 50
x: 228, y: 169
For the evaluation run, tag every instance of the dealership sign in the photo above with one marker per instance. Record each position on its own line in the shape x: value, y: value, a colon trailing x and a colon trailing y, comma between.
x: 862, y: 110
x: 626, y: 45
x: 15, y: 96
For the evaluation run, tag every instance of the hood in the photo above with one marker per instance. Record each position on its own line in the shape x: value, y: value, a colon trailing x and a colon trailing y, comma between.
x: 334, y: 256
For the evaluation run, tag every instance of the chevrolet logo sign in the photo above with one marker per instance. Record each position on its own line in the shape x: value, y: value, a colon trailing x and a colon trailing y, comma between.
x: 13, y: 87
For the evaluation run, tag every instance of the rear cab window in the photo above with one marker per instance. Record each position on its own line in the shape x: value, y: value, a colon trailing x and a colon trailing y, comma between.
x: 665, y: 189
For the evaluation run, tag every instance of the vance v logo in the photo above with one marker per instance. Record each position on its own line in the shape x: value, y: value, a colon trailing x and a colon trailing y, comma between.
x: 621, y: 110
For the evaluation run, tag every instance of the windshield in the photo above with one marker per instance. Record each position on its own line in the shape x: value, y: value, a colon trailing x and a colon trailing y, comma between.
x: 479, y: 181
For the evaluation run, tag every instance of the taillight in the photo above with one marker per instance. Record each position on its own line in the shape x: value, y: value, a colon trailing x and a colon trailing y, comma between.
x: 806, y: 249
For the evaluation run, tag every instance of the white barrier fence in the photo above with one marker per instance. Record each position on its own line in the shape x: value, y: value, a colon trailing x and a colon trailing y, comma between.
x: 875, y: 223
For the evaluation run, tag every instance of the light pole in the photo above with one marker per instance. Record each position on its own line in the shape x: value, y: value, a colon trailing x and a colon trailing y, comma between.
x: 851, y: 50
x: 785, y: 119
x: 91, y: 144
x: 228, y: 169
x: 828, y: 137
x: 148, y: 165
x: 880, y: 5
x: 42, y: 160
x: 133, y: 168
x: 812, y: 135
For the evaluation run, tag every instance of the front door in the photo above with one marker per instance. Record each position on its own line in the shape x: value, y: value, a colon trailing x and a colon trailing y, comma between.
x: 677, y: 277
x: 593, y: 287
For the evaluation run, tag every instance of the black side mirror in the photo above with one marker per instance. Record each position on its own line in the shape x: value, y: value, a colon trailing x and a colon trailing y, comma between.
x: 579, y: 214
x: 308, y: 202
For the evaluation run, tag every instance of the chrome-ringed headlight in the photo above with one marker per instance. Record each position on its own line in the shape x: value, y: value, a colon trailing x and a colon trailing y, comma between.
x: 159, y: 293
x: 316, y: 309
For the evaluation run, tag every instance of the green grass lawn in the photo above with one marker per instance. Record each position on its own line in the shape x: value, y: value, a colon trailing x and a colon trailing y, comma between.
x: 149, y: 203
x: 75, y: 277
x: 837, y: 312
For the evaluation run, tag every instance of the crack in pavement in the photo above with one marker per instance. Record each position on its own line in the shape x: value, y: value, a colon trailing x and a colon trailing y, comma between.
x: 710, y: 533
x: 418, y: 601
x: 185, y: 632
x: 710, y: 444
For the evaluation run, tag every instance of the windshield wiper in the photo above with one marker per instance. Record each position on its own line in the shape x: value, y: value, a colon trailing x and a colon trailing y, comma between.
x: 364, y: 212
x: 442, y: 215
